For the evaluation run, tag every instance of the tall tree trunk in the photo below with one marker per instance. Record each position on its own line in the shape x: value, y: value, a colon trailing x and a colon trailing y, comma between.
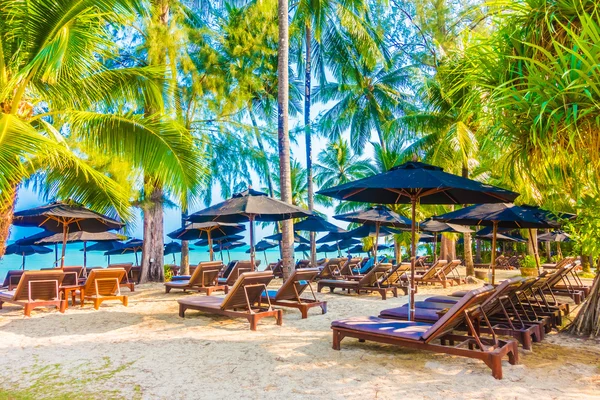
x: 184, y: 265
x: 153, y: 248
x: 283, y: 138
x: 308, y: 134
x: 587, y: 322
x: 467, y: 237
x: 7, y: 210
x: 585, y: 264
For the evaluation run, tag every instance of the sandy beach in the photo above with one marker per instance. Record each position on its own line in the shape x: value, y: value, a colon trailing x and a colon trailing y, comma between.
x: 146, y: 351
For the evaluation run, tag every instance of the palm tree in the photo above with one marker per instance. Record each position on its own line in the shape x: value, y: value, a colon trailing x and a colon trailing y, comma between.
x: 367, y: 98
x: 54, y: 85
x: 337, y: 164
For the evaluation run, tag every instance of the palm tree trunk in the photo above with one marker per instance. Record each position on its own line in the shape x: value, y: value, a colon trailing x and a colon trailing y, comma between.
x: 381, y: 140
x: 308, y: 134
x: 153, y: 248
x: 283, y: 138
x: 467, y: 238
x: 7, y: 210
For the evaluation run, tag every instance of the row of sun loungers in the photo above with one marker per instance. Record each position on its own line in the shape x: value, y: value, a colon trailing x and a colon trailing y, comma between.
x: 51, y: 288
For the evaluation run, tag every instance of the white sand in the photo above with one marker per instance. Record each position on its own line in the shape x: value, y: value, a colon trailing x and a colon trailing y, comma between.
x: 146, y: 351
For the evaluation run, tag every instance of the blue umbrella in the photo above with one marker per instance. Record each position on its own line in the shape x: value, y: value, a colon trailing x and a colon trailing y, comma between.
x: 26, y: 250
x: 172, y: 248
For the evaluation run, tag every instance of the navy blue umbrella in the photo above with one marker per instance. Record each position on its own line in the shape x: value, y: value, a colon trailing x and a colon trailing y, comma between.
x: 208, y: 230
x: 26, y: 250
x: 82, y: 237
x: 297, y: 238
x: 263, y: 246
x: 172, y: 248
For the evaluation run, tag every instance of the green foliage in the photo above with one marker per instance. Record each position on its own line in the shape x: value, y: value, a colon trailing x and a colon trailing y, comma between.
x: 168, y: 273
x: 528, y: 262
x: 585, y: 230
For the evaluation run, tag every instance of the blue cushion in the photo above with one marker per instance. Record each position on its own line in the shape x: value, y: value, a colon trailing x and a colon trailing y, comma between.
x: 388, y: 327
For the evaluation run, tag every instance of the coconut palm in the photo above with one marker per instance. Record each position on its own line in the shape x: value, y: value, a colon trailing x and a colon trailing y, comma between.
x: 54, y: 85
x: 337, y: 164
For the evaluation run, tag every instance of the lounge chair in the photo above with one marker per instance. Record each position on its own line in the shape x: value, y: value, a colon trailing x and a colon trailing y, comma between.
x: 331, y: 269
x: 289, y: 294
x: 204, y: 279
x: 36, y: 289
x: 435, y: 274
x: 242, y: 301
x: 371, y: 282
x: 101, y: 285
x: 239, y: 268
x: 302, y: 264
x: 125, y: 282
x: 496, y: 307
x: 420, y: 335
x: 12, y: 279
x: 276, y: 268
x: 350, y: 266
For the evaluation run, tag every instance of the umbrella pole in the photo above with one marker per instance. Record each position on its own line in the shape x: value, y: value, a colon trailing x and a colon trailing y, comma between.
x: 84, y: 254
x: 210, y: 248
x: 376, y: 243
x: 252, y: 241
x: 228, y: 256
x: 266, y: 262
x: 64, y: 244
x: 136, y: 258
x: 108, y: 260
x: 434, y: 247
x: 55, y: 254
x: 413, y: 255
x: 23, y: 261
x: 535, y: 249
x: 558, y: 250
x: 493, y: 252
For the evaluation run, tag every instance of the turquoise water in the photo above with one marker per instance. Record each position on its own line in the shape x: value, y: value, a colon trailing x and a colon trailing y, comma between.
x: 74, y: 256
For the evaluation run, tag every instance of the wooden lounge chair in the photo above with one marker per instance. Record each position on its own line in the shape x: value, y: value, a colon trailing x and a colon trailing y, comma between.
x: 12, y: 279
x: 350, y: 266
x: 371, y: 282
x: 302, y: 264
x: 331, y: 269
x: 125, y: 282
x: 36, y: 289
x: 204, y: 279
x: 289, y: 294
x: 434, y: 274
x: 101, y: 285
x: 276, y: 268
x: 238, y: 269
x: 424, y: 336
x: 242, y: 301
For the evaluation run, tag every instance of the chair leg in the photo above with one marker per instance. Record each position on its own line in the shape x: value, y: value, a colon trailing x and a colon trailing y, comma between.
x: 63, y: 306
x: 323, y: 308
x: 304, y: 311
x: 253, y: 322
x: 279, y: 317
x: 182, y: 309
x: 97, y: 303
x: 125, y: 301
x: 167, y: 289
x: 27, y: 310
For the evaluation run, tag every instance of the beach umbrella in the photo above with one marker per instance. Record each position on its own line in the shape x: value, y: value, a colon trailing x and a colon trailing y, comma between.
x: 263, y: 246
x: 65, y: 217
x: 227, y: 247
x: 208, y: 230
x: 500, y: 237
x: 302, y: 247
x: 555, y: 236
x: 504, y: 215
x: 325, y: 248
x: 26, y: 250
x: 250, y: 206
x: 415, y: 182
x: 427, y: 238
x: 431, y: 225
x: 172, y: 248
x: 297, y: 238
x: 346, y: 243
x: 315, y: 224
x: 104, y: 246
x: 225, y: 239
x: 379, y: 216
x: 356, y: 249
x: 132, y: 246
x: 369, y: 230
x: 32, y: 239
x: 82, y: 237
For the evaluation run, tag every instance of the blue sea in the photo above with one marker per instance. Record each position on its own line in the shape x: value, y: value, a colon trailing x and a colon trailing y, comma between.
x: 74, y: 256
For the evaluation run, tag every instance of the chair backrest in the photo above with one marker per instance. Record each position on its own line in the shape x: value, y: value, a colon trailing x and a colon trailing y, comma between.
x: 303, y: 264
x: 505, y: 289
x: 74, y: 268
x: 448, y: 268
x: 206, y: 273
x: 296, y: 284
x: 106, y: 280
x: 394, y: 274
x: 12, y: 278
x: 230, y: 267
x: 327, y: 271
x: 349, y: 265
x: 239, y: 268
x: 434, y: 270
x: 250, y: 284
x: 126, y: 266
x: 456, y: 314
x: 375, y: 275
x: 39, y: 285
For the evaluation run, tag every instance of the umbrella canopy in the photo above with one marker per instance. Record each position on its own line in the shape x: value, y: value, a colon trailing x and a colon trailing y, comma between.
x: 489, y: 229
x: 297, y: 238
x: 224, y: 239
x: 302, y: 247
x: 84, y: 237
x: 33, y: 239
x: 229, y: 246
x: 346, y: 243
x: 369, y: 230
x: 333, y: 237
x: 263, y: 245
x: 315, y: 223
x: 357, y: 249
x: 249, y: 206
x: 431, y: 225
x: 506, y: 215
x: 208, y: 230
x: 172, y: 248
x: 554, y: 236
x: 65, y: 218
x: 26, y: 250
x: 427, y: 238
x: 325, y: 248
x: 414, y: 182
x: 132, y: 246
x: 104, y: 246
x: 501, y: 237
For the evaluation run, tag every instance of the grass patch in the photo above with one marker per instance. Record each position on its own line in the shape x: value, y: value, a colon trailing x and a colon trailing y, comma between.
x: 52, y: 382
